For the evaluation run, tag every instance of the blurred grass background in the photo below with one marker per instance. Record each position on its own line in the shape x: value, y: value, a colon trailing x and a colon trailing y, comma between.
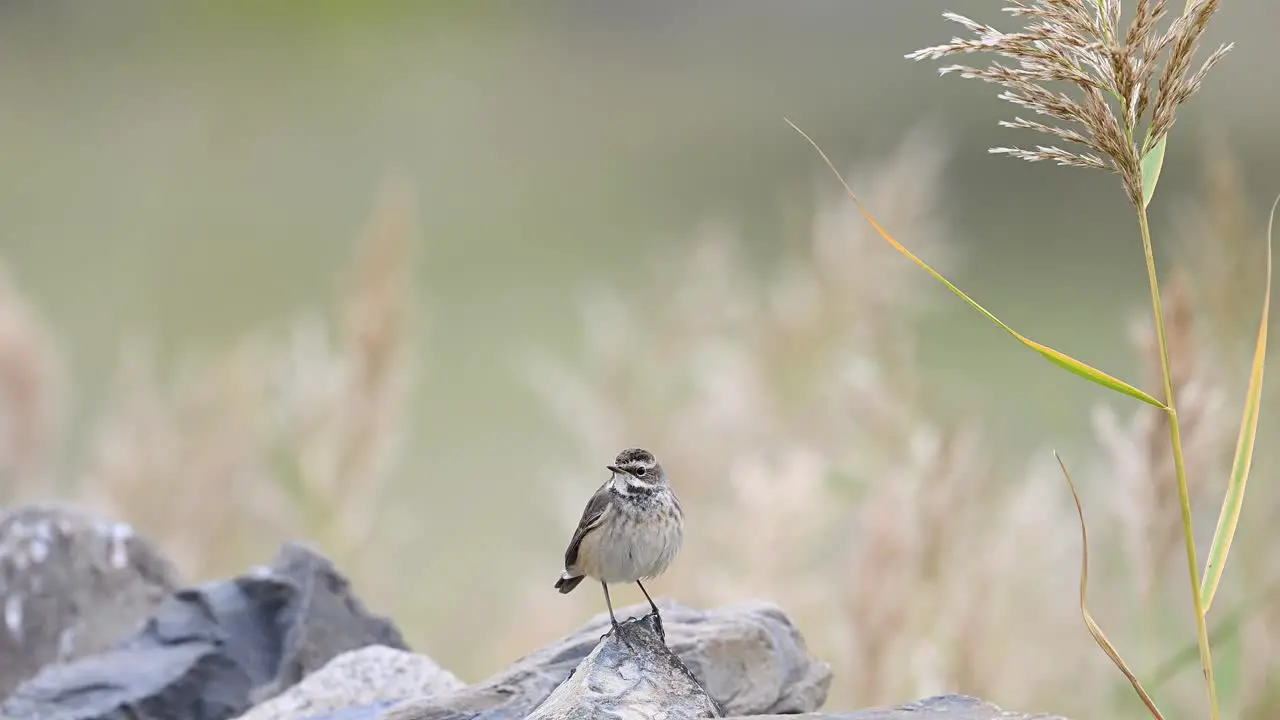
x: 195, y: 172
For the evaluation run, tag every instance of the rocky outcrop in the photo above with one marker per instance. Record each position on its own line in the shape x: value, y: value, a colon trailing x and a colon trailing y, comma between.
x: 633, y: 674
x: 211, y: 652
x: 630, y: 672
x: 70, y: 586
x: 99, y: 632
x: 750, y: 658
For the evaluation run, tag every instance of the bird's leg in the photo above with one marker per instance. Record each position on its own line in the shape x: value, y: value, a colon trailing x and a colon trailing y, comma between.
x: 651, y: 603
x: 609, y: 604
x: 657, y: 617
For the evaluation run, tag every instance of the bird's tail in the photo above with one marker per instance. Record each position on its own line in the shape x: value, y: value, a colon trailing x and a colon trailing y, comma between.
x: 567, y: 583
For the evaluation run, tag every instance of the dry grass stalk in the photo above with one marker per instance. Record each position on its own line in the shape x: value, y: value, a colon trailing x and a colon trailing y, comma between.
x: 30, y: 384
x: 958, y: 580
x: 1126, y: 77
x: 1218, y: 246
x: 1145, y: 505
x: 1260, y: 648
x: 282, y: 437
x: 349, y: 443
x: 185, y: 434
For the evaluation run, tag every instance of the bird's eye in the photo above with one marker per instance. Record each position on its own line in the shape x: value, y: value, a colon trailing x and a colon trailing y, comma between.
x: 640, y: 471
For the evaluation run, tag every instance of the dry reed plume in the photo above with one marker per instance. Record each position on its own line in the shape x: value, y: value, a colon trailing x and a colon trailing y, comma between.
x: 289, y: 435
x: 1216, y: 239
x: 1128, y: 78
x: 30, y: 386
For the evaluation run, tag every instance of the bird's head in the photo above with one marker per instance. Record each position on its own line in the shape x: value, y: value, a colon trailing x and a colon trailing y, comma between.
x: 639, y: 464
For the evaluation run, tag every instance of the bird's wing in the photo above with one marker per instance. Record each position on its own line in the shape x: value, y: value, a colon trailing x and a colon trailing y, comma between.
x: 592, y: 515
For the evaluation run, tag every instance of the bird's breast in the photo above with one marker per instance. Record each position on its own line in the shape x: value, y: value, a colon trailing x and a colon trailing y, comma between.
x: 632, y: 544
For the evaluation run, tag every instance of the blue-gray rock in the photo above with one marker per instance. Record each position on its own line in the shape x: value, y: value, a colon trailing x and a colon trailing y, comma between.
x: 210, y: 652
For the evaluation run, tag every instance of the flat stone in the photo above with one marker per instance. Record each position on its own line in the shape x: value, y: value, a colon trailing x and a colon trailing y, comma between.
x: 367, y: 680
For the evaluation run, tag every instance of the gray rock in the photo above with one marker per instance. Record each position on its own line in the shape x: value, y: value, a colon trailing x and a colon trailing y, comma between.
x: 750, y: 658
x: 208, y: 652
x: 631, y: 674
x: 373, y: 677
x: 70, y: 586
x: 939, y: 707
x: 326, y: 619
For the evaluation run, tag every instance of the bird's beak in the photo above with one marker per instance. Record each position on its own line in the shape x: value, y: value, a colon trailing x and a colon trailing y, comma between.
x: 614, y: 468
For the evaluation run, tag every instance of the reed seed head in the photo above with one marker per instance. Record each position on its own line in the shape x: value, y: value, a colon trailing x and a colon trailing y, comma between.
x: 1126, y: 79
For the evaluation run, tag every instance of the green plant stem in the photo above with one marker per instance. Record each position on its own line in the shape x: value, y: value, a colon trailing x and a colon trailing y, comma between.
x: 1175, y: 438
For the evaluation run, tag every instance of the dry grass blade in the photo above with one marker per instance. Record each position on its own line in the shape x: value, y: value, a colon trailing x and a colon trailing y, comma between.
x: 1233, y: 504
x: 1060, y: 359
x: 1099, y: 636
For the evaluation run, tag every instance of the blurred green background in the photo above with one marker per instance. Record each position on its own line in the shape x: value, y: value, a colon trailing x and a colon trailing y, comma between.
x: 193, y: 171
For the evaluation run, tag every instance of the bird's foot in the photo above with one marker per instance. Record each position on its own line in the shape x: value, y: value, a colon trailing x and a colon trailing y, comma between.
x: 657, y: 624
x: 622, y: 637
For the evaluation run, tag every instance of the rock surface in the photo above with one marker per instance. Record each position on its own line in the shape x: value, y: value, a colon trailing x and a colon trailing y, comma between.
x: 750, y: 658
x: 631, y: 673
x: 359, y: 678
x: 210, y: 652
x: 323, y: 620
x: 70, y: 586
